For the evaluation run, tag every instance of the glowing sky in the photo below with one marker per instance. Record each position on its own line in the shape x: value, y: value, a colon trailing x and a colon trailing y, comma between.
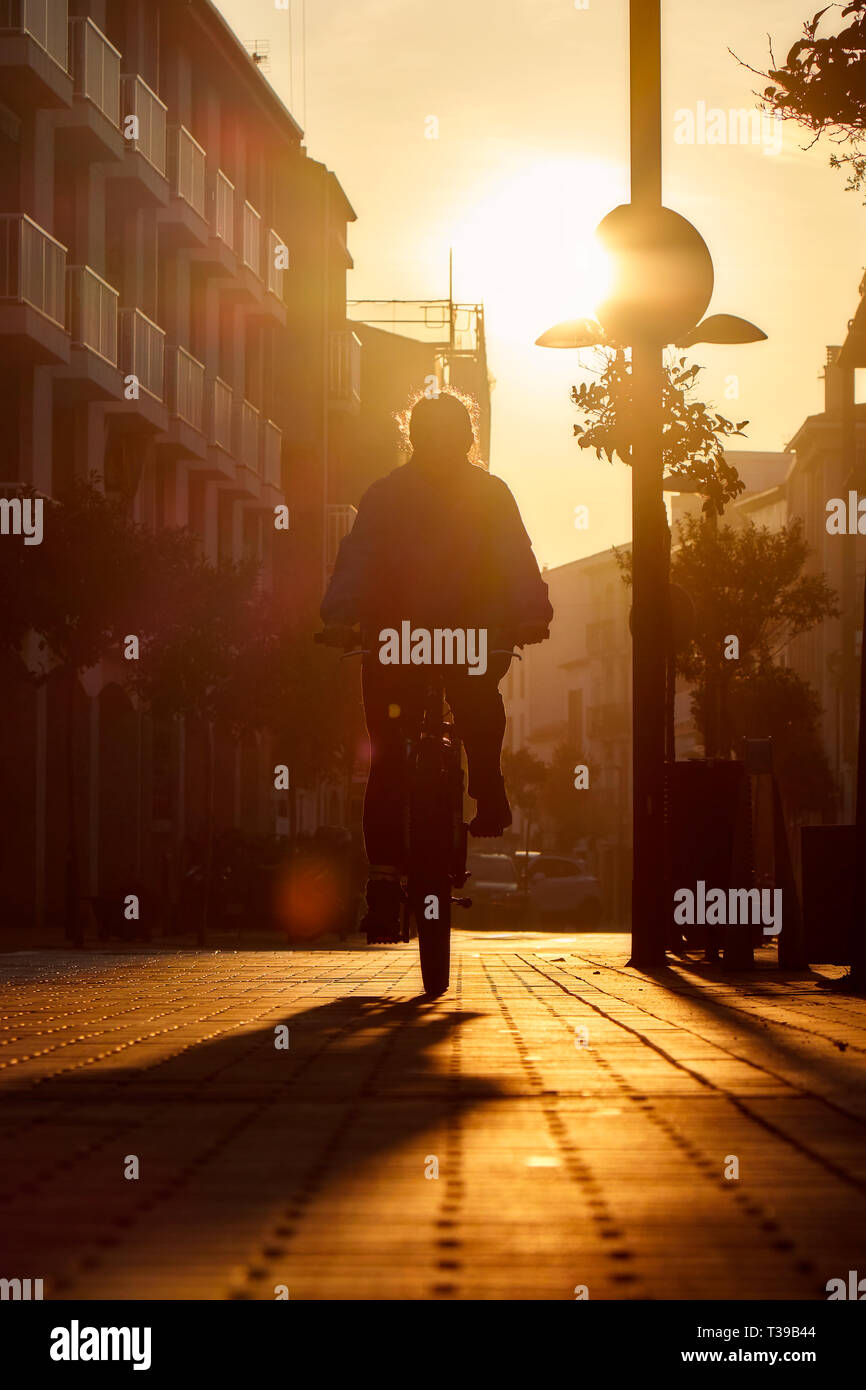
x: 532, y: 148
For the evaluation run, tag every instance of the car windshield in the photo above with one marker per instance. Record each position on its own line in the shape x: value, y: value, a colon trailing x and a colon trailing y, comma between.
x: 493, y: 868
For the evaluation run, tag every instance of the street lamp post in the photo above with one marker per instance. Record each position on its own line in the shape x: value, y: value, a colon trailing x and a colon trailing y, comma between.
x: 664, y: 284
x: 649, y: 578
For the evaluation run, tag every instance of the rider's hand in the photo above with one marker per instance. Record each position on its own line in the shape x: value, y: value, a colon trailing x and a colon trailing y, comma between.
x: 530, y: 633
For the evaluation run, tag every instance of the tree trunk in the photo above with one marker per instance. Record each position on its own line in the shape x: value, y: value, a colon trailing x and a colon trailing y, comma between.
x: 204, y: 920
x: 72, y: 916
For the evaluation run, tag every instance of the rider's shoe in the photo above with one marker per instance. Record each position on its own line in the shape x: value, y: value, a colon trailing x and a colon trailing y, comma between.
x: 382, y: 920
x: 492, y: 817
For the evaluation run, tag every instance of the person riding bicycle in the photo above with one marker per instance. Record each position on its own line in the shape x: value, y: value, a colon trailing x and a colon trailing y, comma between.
x: 438, y: 543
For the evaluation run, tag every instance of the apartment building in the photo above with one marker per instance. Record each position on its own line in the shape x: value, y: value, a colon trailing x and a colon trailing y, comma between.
x: 575, y: 689
x: 172, y: 317
x: 830, y: 461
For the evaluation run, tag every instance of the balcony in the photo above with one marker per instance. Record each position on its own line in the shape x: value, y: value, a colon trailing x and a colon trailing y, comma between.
x: 94, y: 123
x: 220, y: 433
x: 344, y: 371
x: 92, y: 373
x: 272, y: 447
x: 224, y: 210
x: 143, y: 171
x: 251, y: 240
x: 142, y: 352
x: 142, y: 362
x: 219, y: 258
x: 278, y: 264
x: 187, y: 389
x: 33, y: 56
x: 92, y: 313
x: 32, y: 293
x: 185, y: 221
x: 189, y: 171
x: 250, y: 421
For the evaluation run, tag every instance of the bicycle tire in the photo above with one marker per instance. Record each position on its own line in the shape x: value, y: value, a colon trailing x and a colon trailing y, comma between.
x: 431, y: 856
x: 434, y: 933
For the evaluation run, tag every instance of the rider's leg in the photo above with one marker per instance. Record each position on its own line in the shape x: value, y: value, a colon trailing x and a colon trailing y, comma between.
x: 480, y: 718
x: 392, y: 706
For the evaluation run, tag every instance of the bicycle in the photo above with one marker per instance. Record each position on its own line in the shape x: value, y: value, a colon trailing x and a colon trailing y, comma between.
x: 434, y: 833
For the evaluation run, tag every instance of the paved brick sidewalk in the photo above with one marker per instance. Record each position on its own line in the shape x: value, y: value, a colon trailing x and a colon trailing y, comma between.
x: 559, y: 1164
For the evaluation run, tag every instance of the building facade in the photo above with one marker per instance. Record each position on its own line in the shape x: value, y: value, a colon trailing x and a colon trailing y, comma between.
x: 575, y: 690
x: 172, y: 320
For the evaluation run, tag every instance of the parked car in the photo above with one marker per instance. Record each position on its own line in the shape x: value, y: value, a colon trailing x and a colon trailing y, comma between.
x: 493, y: 888
x: 564, y: 888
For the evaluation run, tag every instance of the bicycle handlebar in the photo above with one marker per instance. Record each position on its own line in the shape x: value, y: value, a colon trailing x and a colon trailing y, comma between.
x: 344, y: 636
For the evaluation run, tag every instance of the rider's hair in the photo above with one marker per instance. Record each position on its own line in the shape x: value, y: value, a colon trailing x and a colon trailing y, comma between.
x: 441, y: 422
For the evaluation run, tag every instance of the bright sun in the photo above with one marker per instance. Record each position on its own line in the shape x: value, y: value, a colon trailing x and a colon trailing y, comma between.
x: 528, y: 249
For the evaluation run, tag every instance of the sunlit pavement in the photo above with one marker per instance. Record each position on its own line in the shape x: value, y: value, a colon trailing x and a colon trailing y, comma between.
x: 581, y: 1118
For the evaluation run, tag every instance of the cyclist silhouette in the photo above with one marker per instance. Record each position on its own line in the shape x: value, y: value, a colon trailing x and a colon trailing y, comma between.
x: 440, y: 543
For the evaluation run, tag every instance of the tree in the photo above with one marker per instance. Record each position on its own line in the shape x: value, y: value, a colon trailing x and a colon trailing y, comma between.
x: 692, y: 433
x: 570, y: 809
x: 300, y: 692
x: 775, y: 702
x: 524, y: 775
x: 748, y: 584
x: 194, y: 656
x: 74, y: 592
x: 745, y: 584
x: 822, y: 86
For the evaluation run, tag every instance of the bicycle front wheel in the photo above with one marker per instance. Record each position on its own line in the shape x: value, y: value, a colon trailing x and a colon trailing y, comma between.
x: 430, y: 900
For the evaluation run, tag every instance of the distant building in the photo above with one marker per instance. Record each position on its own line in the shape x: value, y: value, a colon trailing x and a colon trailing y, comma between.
x: 575, y: 689
x: 830, y: 462
x: 411, y: 346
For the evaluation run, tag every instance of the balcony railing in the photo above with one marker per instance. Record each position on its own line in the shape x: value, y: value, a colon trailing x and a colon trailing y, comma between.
x: 32, y: 267
x: 150, y: 113
x: 142, y: 351
x: 250, y: 419
x: 344, y: 376
x: 187, y: 388
x: 340, y: 520
x: 92, y: 312
x: 272, y: 446
x: 252, y: 239
x: 278, y: 255
x: 222, y: 403
x: 224, y: 210
x: 95, y: 68
x: 189, y: 165
x: 46, y: 22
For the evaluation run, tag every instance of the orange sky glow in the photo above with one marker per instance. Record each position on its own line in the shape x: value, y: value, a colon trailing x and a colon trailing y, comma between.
x: 531, y: 150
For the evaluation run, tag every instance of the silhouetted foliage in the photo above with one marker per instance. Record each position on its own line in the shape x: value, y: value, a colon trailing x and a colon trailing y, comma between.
x: 747, y: 581
x: 76, y: 590
x: 822, y: 85
x: 775, y: 702
x: 524, y: 775
x: 573, y: 814
x: 692, y: 433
